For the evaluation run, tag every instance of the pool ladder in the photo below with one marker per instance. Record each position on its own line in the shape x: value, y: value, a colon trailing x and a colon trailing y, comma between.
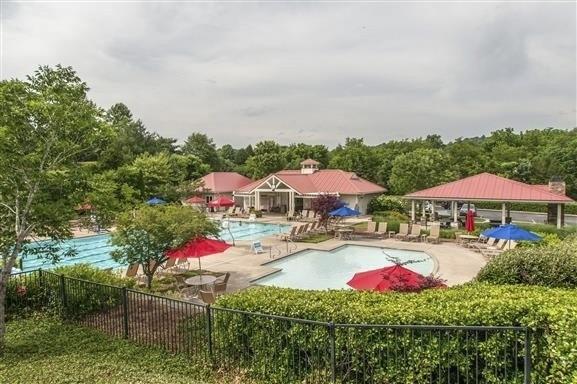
x: 277, y: 251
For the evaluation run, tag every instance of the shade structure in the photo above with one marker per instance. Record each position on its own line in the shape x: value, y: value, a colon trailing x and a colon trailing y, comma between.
x: 195, y: 200
x: 197, y: 248
x: 155, y: 201
x: 344, y: 212
x: 470, y: 221
x: 221, y: 202
x: 512, y: 232
x: 385, y: 279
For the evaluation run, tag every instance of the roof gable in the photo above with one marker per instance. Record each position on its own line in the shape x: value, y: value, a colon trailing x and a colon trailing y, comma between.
x: 220, y: 182
x: 486, y: 186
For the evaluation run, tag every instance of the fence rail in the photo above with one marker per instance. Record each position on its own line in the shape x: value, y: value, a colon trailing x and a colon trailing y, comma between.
x: 279, y: 349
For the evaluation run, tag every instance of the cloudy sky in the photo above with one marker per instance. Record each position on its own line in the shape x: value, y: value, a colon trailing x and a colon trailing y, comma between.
x: 305, y: 71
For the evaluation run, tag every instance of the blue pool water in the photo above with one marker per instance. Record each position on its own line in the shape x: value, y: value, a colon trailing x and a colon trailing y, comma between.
x: 314, y: 269
x: 96, y: 250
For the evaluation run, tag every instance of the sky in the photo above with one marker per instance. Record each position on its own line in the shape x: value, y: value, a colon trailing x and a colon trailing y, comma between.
x: 314, y: 72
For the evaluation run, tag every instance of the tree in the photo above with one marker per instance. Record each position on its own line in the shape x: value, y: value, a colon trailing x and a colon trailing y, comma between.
x: 145, y: 235
x: 323, y: 205
x: 268, y: 158
x: 201, y: 146
x: 47, y: 124
x: 356, y: 157
x: 296, y: 153
x: 420, y: 169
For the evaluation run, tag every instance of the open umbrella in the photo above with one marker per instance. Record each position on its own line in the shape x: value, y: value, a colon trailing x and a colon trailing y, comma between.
x: 344, y: 211
x: 155, y: 201
x: 197, y: 248
x: 470, y: 221
x: 195, y: 200
x: 221, y: 202
x: 513, y: 232
x: 384, y: 279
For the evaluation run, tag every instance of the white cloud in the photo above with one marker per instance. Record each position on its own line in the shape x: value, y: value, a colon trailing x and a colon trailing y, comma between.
x: 315, y: 72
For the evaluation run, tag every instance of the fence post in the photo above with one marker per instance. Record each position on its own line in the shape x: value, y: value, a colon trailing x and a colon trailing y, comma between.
x: 209, y: 329
x: 331, y: 330
x: 527, y: 373
x: 125, y: 311
x: 63, y: 298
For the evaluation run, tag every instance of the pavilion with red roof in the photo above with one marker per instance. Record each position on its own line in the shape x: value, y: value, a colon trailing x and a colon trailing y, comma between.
x: 221, y: 184
x: 293, y: 190
x: 489, y: 187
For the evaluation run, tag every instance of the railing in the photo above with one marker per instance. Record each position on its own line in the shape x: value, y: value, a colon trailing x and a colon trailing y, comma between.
x: 278, y: 349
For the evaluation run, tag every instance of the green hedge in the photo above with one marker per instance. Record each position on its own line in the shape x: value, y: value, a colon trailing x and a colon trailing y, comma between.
x: 551, y: 311
x: 387, y: 203
x: 554, y: 265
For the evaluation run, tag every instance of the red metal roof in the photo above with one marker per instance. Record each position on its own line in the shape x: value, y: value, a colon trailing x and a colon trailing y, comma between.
x: 486, y: 186
x: 222, y: 182
x: 322, y: 181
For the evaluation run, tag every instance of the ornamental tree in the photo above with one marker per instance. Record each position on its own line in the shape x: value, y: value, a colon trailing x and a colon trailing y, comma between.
x: 47, y: 125
x: 323, y: 205
x: 143, y: 236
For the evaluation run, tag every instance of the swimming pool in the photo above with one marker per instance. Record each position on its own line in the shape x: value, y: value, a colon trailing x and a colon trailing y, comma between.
x: 95, y: 250
x: 312, y: 269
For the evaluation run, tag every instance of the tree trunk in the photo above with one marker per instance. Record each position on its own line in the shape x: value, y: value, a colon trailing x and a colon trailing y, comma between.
x: 4, y: 276
x: 149, y: 280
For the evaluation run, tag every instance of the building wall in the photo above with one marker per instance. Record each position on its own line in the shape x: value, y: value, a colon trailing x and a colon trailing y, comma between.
x: 358, y: 202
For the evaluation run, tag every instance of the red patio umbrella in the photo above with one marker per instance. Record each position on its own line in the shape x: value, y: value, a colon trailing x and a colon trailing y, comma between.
x: 470, y: 221
x: 384, y: 279
x: 195, y: 200
x: 198, y: 248
x: 221, y: 202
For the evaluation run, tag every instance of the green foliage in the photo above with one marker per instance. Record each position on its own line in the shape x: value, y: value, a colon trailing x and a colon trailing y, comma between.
x: 553, y: 265
x: 420, y: 169
x: 203, y: 148
x: 552, y: 311
x: 267, y: 158
x: 355, y: 157
x: 387, y: 203
x: 144, y: 235
x: 62, y: 353
x: 392, y: 218
x: 94, y: 274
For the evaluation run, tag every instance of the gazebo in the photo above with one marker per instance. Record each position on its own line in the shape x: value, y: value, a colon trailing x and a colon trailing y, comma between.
x: 493, y: 188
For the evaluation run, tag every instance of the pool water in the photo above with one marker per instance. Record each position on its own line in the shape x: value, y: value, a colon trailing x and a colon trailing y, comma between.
x: 312, y: 269
x: 95, y: 250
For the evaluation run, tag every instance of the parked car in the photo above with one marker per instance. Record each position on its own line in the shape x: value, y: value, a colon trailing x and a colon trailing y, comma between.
x: 442, y: 212
x: 465, y: 207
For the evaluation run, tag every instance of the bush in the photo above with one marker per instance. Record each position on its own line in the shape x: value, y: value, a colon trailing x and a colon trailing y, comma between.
x: 387, y: 203
x: 94, y: 274
x: 553, y: 265
x: 551, y: 311
x: 24, y: 295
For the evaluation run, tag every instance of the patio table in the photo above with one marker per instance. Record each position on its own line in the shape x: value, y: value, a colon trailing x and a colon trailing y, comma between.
x: 345, y: 233
x: 199, y: 281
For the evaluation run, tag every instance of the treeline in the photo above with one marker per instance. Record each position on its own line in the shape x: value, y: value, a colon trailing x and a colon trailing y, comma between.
x: 532, y: 156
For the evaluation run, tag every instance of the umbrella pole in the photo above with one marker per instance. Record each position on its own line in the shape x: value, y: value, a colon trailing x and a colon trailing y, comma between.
x: 199, y: 267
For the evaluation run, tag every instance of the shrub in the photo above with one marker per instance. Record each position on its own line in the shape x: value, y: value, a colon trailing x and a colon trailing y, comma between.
x: 552, y: 311
x: 387, y: 203
x: 554, y: 265
x: 94, y: 274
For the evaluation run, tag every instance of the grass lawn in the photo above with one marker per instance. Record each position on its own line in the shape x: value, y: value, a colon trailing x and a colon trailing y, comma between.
x: 44, y: 351
x: 316, y: 238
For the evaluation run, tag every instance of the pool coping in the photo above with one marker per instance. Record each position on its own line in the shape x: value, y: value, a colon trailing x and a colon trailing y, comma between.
x: 338, y: 246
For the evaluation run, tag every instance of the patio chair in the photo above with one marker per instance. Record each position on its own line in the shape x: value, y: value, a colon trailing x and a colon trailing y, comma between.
x: 207, y: 296
x: 230, y: 210
x: 403, y: 231
x: 132, y: 270
x: 185, y: 290
x: 415, y: 233
x: 382, y: 230
x: 169, y: 264
x: 257, y: 247
x: 220, y: 288
x: 223, y: 279
x: 435, y: 233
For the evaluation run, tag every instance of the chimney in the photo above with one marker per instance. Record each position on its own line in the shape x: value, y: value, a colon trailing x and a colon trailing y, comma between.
x: 309, y: 166
x: 557, y: 186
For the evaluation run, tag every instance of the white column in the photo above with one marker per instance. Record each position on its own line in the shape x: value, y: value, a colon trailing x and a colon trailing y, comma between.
x: 433, y: 208
x: 291, y: 202
x: 455, y: 212
x: 413, y: 210
x: 257, y: 200
x: 559, y: 213
x: 504, y: 213
x: 423, y: 208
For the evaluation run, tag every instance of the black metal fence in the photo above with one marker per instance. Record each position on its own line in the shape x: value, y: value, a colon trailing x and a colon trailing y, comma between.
x: 277, y: 349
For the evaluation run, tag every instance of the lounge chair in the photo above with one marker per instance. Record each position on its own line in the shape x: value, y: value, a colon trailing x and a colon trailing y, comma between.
x: 168, y: 265
x: 479, y: 245
x: 382, y: 229
x: 435, y: 233
x: 290, y: 235
x: 415, y: 232
x: 132, y: 270
x: 230, y: 210
x: 252, y: 217
x: 403, y: 231
x: 207, y: 296
x: 304, y: 214
x: 303, y: 231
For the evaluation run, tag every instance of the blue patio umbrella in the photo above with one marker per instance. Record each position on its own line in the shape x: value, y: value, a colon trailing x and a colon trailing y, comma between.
x: 511, y: 232
x: 155, y: 201
x: 344, y: 212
